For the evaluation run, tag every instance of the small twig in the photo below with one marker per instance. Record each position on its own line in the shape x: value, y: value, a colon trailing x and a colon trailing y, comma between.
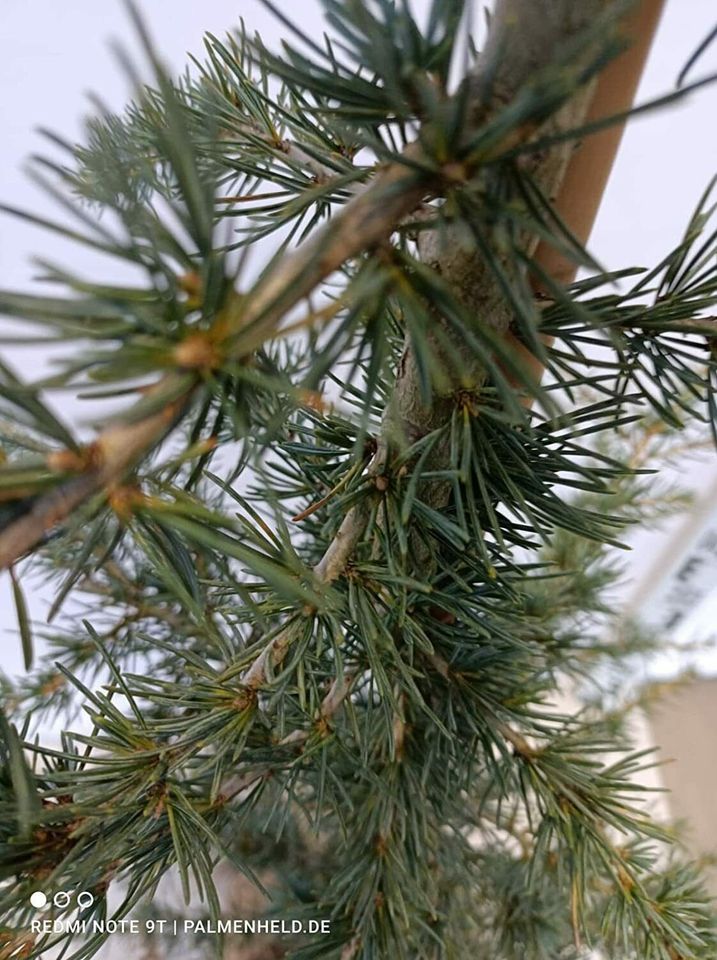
x: 237, y: 784
x: 348, y: 536
x: 115, y: 451
x: 273, y: 653
x: 517, y: 740
x: 321, y: 172
x: 342, y: 547
x: 399, y: 727
x: 338, y: 692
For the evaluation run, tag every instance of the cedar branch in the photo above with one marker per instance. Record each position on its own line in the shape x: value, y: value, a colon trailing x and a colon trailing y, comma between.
x: 525, y: 38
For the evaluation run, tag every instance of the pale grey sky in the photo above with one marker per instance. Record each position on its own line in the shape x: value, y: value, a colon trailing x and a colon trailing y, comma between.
x: 56, y: 50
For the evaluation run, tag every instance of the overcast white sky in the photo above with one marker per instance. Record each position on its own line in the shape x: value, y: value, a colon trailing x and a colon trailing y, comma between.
x: 54, y: 51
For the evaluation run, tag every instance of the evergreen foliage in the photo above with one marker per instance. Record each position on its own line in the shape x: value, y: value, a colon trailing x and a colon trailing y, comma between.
x: 318, y: 585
